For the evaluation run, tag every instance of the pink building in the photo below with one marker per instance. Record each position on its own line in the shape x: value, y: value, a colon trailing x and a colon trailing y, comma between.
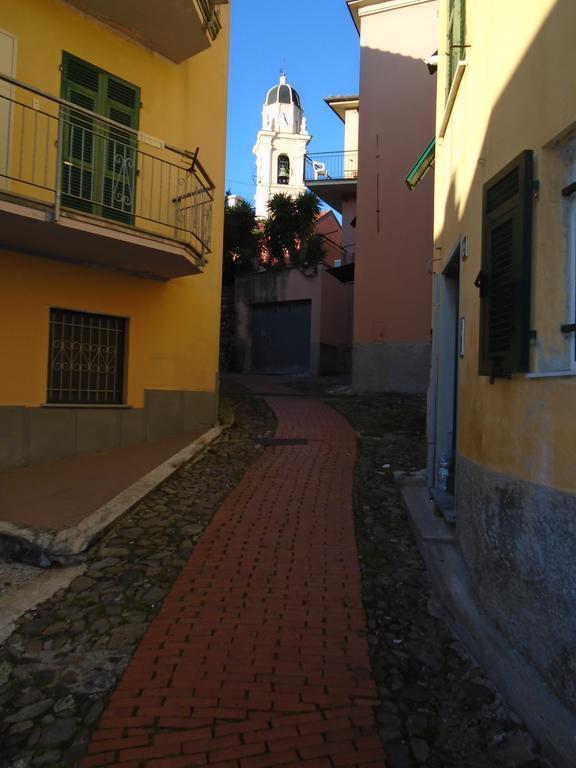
x: 393, y: 226
x: 289, y: 322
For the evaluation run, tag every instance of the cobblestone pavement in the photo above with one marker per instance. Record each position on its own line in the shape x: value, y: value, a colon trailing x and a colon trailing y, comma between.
x: 436, y: 708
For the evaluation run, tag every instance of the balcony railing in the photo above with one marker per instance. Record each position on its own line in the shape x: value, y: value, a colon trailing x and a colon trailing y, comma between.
x: 58, y: 154
x: 331, y: 166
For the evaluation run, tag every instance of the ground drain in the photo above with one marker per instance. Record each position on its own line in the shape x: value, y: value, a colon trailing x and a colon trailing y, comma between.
x: 282, y: 440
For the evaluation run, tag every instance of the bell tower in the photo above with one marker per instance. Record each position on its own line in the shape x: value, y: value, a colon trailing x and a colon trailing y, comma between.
x: 280, y: 146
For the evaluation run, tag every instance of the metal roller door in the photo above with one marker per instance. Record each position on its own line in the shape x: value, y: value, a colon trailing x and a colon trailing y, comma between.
x: 281, y: 337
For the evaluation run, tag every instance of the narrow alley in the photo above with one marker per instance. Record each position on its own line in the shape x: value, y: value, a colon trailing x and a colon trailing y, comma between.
x: 267, y: 605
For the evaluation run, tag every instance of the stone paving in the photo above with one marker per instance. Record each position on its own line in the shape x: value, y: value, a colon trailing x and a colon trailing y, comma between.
x: 258, y: 656
x: 435, y: 707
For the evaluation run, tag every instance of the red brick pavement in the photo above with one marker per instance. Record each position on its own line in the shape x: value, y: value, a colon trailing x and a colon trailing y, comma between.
x: 258, y: 656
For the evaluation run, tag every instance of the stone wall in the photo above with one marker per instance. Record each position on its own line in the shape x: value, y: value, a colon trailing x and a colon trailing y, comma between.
x: 519, y: 542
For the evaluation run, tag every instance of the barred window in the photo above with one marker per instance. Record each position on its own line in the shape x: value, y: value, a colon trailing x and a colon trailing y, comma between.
x: 86, y: 358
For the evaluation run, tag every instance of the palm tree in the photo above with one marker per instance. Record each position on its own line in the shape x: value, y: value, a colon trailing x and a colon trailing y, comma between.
x: 289, y: 233
x: 242, y: 240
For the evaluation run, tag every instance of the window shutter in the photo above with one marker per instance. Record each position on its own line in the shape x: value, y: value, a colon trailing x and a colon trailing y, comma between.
x: 505, y: 284
x: 456, y: 36
x: 121, y: 104
x: 99, y: 161
x: 80, y: 84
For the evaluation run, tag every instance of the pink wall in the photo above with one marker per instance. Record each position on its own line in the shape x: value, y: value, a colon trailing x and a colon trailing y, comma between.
x: 394, y: 230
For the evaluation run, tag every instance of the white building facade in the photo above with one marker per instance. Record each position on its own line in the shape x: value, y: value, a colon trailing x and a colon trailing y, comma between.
x: 280, y: 147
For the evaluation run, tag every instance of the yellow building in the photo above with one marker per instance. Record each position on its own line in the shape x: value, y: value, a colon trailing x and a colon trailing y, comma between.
x: 503, y: 393
x: 112, y: 134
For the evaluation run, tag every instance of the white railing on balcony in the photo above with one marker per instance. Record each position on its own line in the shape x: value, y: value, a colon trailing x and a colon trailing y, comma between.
x: 331, y: 165
x: 58, y: 154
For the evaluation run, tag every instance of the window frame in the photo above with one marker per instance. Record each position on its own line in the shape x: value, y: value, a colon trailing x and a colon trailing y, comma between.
x: 120, y: 400
x: 518, y: 209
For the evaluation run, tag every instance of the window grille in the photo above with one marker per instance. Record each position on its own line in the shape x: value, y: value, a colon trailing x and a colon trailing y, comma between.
x: 86, y: 358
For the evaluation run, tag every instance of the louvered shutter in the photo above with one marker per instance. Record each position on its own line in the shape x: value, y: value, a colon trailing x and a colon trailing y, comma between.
x: 80, y: 85
x: 456, y: 36
x: 121, y: 104
x: 505, y: 283
x: 99, y: 161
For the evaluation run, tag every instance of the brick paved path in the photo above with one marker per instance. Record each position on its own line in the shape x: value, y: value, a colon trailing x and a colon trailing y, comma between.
x: 258, y: 656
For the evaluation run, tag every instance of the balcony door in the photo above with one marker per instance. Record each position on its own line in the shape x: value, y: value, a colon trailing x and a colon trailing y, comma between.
x: 98, y: 159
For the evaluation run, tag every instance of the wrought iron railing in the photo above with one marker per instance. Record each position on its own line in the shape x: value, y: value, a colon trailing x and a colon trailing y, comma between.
x: 331, y: 165
x: 211, y: 16
x: 57, y: 153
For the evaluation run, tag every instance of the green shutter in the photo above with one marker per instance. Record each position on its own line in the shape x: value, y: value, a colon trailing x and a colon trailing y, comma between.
x: 80, y: 85
x: 99, y: 161
x: 121, y: 104
x: 456, y: 37
x: 505, y: 282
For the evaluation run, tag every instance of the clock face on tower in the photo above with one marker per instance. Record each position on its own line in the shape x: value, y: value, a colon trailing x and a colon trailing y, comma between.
x: 284, y: 120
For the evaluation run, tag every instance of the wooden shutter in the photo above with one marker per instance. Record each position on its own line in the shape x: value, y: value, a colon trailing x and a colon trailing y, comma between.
x: 121, y: 104
x: 80, y: 85
x: 505, y: 283
x: 456, y: 36
x: 99, y: 161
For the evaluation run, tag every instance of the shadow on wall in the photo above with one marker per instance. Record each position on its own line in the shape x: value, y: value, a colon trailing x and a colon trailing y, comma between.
x: 393, y: 283
x: 519, y: 537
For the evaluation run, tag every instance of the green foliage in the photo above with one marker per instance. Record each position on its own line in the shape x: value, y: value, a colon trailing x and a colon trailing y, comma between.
x: 287, y: 238
x: 242, y: 240
x: 289, y: 233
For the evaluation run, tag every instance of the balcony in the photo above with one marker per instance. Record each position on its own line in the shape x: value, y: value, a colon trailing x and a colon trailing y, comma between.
x: 332, y: 176
x: 177, y: 29
x: 79, y: 187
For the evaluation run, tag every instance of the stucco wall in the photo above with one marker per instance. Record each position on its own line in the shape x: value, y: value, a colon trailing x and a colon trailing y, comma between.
x: 488, y: 128
x: 173, y: 326
x: 516, y: 443
x: 394, y: 229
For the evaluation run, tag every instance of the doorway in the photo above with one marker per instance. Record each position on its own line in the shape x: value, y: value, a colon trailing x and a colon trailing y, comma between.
x: 443, y: 416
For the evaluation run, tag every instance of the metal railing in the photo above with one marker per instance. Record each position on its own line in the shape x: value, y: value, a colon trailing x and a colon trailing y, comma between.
x: 331, y: 165
x: 211, y: 17
x: 60, y: 154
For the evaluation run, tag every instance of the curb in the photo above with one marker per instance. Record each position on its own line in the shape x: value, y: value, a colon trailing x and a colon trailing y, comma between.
x: 44, y: 547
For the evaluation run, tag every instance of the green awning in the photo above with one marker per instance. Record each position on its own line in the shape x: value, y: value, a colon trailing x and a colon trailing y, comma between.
x: 421, y: 166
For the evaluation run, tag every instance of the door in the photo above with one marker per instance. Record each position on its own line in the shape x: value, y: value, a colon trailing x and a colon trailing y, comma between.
x: 7, y: 55
x: 281, y: 337
x: 447, y: 346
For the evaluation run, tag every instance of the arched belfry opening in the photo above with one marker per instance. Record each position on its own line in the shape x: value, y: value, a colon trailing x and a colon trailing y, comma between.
x: 283, y: 169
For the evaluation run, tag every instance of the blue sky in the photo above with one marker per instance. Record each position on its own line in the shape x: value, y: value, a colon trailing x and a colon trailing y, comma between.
x: 317, y: 42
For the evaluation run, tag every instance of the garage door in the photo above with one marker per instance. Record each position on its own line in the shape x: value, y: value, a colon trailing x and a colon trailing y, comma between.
x: 281, y: 337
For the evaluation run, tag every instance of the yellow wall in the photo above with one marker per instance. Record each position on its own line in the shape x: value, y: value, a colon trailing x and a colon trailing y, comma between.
x: 174, y: 326
x: 516, y: 94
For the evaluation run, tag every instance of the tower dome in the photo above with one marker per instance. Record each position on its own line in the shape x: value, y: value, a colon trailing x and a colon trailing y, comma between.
x: 283, y: 93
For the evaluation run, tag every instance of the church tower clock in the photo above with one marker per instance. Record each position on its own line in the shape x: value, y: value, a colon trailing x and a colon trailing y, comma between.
x: 280, y: 146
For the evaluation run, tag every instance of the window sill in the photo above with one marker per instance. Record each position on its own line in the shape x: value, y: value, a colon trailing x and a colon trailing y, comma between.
x: 454, y: 88
x: 549, y: 374
x: 84, y: 406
